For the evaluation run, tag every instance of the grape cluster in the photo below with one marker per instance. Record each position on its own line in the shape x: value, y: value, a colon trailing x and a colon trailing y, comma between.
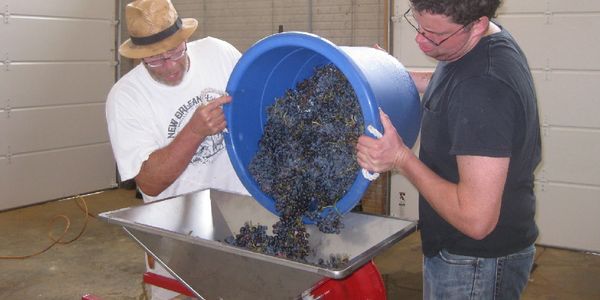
x: 306, y: 160
x: 327, y: 222
x: 253, y: 237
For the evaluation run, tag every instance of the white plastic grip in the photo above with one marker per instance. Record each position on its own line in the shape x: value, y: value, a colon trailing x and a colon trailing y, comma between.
x: 366, y: 174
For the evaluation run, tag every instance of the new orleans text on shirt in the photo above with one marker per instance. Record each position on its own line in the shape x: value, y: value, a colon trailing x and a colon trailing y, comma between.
x: 181, y: 112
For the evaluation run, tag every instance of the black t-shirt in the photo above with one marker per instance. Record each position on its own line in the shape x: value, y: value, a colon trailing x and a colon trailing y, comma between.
x: 484, y: 104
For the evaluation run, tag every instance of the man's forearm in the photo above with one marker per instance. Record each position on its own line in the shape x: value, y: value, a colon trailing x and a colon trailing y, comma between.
x: 165, y: 165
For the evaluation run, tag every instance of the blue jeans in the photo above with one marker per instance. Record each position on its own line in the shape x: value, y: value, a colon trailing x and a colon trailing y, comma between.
x: 451, y: 276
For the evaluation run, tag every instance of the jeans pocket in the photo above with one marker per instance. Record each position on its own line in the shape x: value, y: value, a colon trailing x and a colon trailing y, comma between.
x: 456, y: 259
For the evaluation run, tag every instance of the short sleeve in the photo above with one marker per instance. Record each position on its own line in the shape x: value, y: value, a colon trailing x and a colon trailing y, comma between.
x: 130, y: 141
x: 482, y: 118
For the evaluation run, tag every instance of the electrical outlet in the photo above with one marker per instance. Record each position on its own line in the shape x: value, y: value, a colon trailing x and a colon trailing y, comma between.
x: 401, y: 199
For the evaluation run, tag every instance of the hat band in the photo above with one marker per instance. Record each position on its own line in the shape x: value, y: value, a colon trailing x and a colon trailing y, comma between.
x: 157, y: 37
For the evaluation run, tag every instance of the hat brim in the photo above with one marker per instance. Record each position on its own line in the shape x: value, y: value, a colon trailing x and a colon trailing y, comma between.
x: 131, y: 50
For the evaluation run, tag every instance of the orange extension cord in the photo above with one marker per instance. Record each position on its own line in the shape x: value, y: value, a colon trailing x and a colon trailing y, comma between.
x: 83, y: 206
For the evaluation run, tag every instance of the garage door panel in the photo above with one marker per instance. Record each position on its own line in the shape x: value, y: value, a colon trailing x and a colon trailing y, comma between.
x: 38, y: 129
x: 560, y: 219
x: 3, y: 178
x: 553, y: 6
x: 64, y: 8
x: 48, y: 39
x: 542, y: 38
x: 571, y: 155
x: 56, y: 174
x: 3, y: 133
x: 569, y: 98
x: 584, y: 6
x: 58, y: 64
x: 530, y: 6
x: 27, y: 85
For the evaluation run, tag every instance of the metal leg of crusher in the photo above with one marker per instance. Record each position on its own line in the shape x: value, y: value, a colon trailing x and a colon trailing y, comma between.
x: 156, y: 280
x: 167, y: 283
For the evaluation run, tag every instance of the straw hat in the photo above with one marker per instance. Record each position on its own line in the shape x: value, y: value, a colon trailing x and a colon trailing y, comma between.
x: 154, y: 28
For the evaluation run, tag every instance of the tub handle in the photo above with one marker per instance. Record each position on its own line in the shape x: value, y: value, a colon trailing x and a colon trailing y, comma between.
x: 366, y: 174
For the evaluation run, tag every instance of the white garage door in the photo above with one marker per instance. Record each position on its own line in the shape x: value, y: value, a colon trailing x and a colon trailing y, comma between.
x: 562, y: 48
x: 57, y: 65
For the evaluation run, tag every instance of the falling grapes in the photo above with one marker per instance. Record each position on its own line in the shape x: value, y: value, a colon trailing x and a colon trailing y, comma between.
x: 306, y: 162
x: 328, y: 221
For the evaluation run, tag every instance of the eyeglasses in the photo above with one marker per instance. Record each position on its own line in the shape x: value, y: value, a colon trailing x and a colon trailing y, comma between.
x: 422, y: 33
x: 159, y: 60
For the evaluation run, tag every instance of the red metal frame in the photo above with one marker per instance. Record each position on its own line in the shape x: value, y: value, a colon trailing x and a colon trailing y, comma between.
x: 364, y: 284
x: 167, y: 283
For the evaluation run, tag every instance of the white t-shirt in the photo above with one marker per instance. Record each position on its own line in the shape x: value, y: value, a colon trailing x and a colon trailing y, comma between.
x: 144, y: 115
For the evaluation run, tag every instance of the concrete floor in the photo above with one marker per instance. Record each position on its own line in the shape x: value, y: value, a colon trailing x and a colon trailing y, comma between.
x: 108, y: 264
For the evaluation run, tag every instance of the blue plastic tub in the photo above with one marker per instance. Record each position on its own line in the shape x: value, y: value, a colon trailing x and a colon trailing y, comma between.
x: 278, y: 62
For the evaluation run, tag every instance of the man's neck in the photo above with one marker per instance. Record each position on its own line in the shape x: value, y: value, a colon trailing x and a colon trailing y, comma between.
x: 492, y: 28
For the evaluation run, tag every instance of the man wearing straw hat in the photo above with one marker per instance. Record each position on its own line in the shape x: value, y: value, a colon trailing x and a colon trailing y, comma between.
x: 164, y: 117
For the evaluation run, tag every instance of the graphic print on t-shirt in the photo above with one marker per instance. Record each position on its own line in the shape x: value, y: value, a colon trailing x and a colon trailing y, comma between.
x: 212, y: 145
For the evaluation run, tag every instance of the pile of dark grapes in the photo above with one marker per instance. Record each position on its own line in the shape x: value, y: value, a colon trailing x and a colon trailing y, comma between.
x: 255, y: 238
x: 306, y: 162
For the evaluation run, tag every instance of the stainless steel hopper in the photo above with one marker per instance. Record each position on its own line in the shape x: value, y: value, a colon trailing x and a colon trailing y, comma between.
x: 185, y: 234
